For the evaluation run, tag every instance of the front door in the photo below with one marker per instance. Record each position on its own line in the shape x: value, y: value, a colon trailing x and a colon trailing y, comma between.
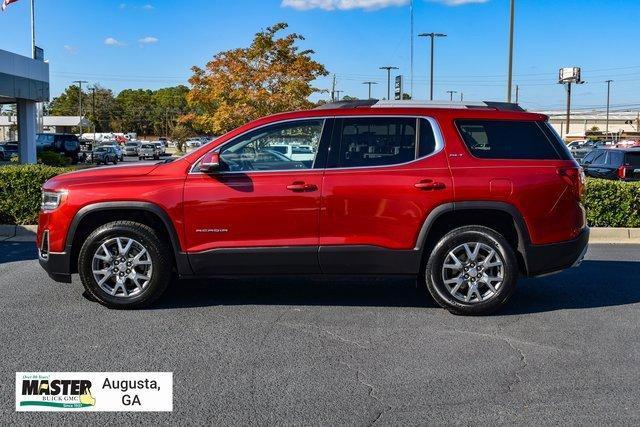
x: 259, y: 213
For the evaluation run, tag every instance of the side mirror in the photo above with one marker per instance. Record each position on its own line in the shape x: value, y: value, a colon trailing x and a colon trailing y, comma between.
x: 210, y: 162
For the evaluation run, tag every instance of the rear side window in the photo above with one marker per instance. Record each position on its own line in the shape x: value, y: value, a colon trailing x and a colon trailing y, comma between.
x: 615, y: 158
x: 632, y: 159
x: 381, y: 141
x: 506, y: 139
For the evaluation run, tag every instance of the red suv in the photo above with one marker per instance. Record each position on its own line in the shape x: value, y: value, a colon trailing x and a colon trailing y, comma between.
x: 465, y: 197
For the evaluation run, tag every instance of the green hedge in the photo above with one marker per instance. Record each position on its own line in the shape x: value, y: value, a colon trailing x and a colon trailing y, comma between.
x: 20, y: 191
x: 608, y: 203
x: 612, y: 203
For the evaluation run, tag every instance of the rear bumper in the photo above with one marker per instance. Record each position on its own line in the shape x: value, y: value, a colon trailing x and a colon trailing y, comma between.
x: 552, y: 258
x: 57, y: 265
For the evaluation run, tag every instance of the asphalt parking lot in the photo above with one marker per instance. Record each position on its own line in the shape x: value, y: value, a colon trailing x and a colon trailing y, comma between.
x: 353, y: 351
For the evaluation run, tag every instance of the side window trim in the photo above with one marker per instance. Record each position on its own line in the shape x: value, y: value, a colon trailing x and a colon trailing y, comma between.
x: 334, y: 146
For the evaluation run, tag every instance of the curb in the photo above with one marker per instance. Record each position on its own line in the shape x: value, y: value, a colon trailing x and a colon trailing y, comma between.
x: 611, y: 235
x: 614, y: 235
x: 18, y: 233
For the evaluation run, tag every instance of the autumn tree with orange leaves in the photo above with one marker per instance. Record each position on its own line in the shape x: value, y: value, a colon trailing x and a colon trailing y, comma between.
x: 270, y: 76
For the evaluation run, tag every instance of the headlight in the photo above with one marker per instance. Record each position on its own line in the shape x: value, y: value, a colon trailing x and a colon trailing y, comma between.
x: 51, y: 200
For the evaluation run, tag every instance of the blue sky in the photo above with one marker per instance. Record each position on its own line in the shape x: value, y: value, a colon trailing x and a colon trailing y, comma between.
x: 153, y: 44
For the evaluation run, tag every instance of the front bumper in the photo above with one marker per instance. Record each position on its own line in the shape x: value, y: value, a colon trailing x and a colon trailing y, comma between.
x: 57, y: 265
x: 555, y: 257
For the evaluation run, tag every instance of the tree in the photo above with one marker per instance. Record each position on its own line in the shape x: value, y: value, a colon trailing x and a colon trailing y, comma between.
x: 67, y: 105
x: 169, y: 104
x: 133, y: 111
x: 180, y: 134
x: 270, y: 76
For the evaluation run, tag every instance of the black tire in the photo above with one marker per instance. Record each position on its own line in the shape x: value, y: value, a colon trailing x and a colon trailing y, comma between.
x: 435, y: 270
x: 159, y: 253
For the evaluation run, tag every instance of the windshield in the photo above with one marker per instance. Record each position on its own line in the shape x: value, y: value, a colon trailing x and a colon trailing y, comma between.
x: 100, y: 150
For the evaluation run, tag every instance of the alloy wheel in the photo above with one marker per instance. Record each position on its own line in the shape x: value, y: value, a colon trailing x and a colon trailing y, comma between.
x: 473, y: 272
x: 122, y: 267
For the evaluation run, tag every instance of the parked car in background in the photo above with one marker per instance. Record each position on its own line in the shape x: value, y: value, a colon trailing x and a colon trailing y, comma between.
x: 119, y: 151
x: 3, y: 156
x: 579, y: 149
x: 66, y: 144
x: 621, y: 164
x: 467, y: 200
x: 302, y: 153
x: 105, y: 154
x: 131, y: 148
x: 193, y: 143
x: 148, y: 150
x: 10, y: 149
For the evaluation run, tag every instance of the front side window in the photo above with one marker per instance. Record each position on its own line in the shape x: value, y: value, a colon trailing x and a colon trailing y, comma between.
x: 381, y: 141
x: 506, y: 139
x: 265, y: 149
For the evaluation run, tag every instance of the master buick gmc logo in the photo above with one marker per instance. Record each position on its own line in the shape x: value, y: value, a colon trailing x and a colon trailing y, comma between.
x: 56, y: 393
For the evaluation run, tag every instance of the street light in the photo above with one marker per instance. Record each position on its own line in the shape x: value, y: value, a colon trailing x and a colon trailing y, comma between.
x: 369, y: 83
x: 80, y: 100
x: 608, y: 97
x: 432, y: 36
x: 388, y: 68
x: 511, y: 27
x: 451, y: 92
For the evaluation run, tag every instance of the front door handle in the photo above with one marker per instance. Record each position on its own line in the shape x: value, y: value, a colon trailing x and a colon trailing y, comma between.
x: 429, y: 185
x: 301, y: 187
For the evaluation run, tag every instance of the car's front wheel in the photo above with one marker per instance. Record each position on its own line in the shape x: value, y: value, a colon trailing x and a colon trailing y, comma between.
x: 124, y: 265
x: 472, y: 271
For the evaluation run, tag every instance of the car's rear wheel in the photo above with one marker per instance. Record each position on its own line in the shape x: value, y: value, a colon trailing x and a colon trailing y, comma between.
x: 472, y: 271
x: 124, y: 265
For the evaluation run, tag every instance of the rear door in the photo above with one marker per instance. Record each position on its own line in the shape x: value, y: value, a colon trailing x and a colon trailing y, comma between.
x: 632, y: 163
x: 384, y: 176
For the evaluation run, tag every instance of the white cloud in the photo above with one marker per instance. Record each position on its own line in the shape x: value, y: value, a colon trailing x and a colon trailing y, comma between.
x: 148, y: 40
x: 123, y: 5
x: 110, y: 41
x: 71, y: 49
x: 148, y: 7
x: 459, y: 2
x: 342, y: 4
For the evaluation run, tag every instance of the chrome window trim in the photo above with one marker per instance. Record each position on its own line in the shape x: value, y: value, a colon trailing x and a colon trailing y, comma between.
x: 435, y: 128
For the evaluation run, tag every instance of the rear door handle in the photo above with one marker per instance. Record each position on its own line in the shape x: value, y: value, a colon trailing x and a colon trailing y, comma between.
x: 301, y: 187
x: 429, y: 185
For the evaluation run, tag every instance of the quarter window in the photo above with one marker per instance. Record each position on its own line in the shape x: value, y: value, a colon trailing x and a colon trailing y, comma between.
x: 506, y: 139
x: 270, y: 148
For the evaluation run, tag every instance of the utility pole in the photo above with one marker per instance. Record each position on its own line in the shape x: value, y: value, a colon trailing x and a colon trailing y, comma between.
x: 80, y: 100
x: 333, y: 89
x: 451, y: 92
x: 93, y: 111
x: 369, y: 84
x: 511, y: 27
x: 517, y: 93
x: 461, y: 96
x: 338, y: 92
x: 432, y: 36
x: 411, y: 66
x: 608, y: 98
x: 389, y: 79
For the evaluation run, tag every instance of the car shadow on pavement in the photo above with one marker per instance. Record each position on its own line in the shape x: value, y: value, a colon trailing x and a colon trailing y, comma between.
x: 593, y: 284
x: 17, y: 251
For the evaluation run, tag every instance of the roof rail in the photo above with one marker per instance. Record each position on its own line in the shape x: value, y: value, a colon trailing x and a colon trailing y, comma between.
x: 347, y: 104
x: 411, y: 103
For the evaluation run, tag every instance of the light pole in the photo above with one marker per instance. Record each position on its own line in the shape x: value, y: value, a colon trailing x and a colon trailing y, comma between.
x: 388, y: 68
x: 608, y: 98
x: 80, y: 100
x: 451, y: 92
x: 432, y: 36
x: 369, y: 84
x: 338, y: 92
x: 511, y: 27
x: 461, y: 97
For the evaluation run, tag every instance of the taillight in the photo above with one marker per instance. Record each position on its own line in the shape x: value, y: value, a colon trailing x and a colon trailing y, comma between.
x: 574, y: 176
x: 622, y: 172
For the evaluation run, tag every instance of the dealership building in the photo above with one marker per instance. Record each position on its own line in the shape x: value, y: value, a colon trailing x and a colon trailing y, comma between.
x: 24, y: 82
